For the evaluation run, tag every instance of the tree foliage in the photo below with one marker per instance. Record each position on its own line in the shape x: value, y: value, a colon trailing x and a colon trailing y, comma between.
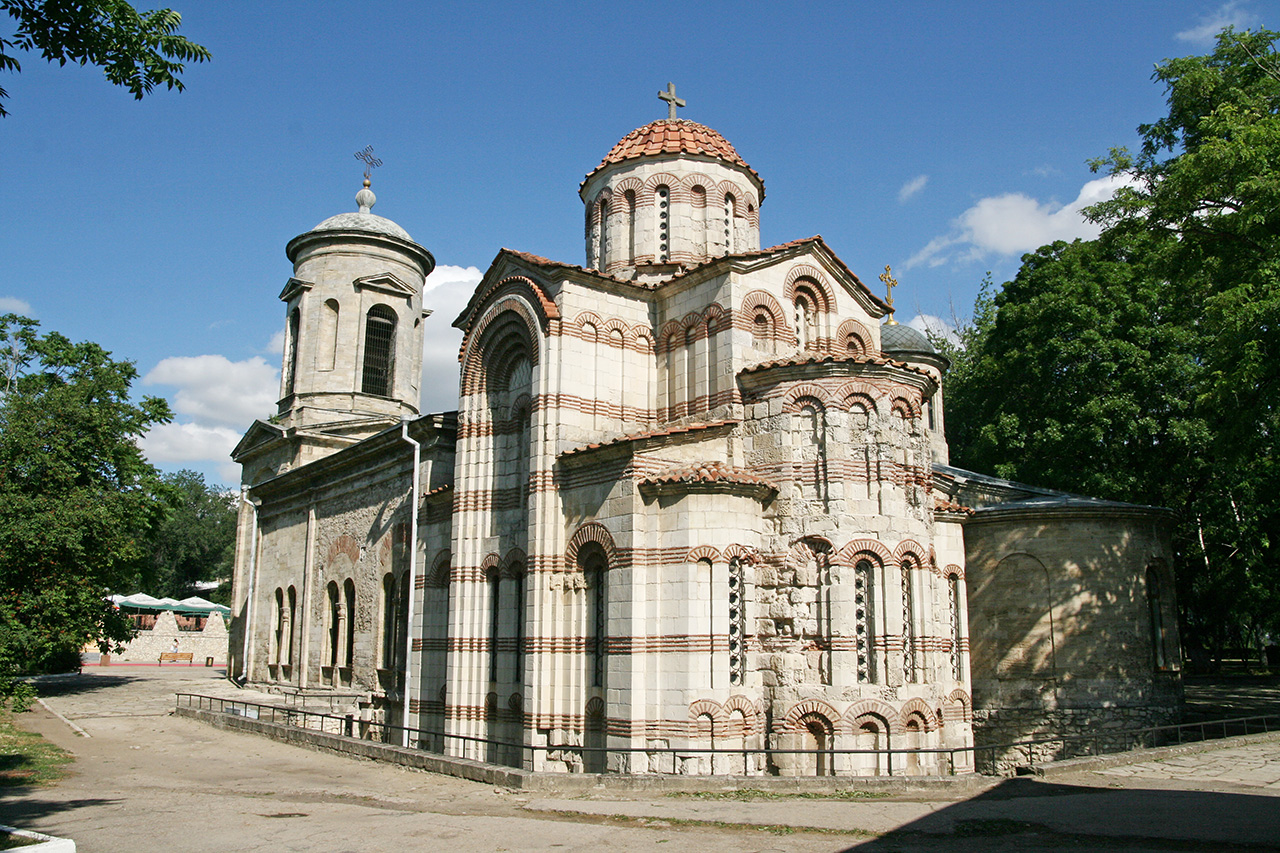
x: 136, y: 50
x: 78, y: 502
x: 195, y: 540
x: 1144, y: 366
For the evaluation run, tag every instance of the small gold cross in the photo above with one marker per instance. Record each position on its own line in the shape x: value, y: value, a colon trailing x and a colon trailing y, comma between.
x: 889, y: 283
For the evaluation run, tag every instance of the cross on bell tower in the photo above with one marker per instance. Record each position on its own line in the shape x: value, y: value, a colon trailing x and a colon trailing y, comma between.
x: 889, y: 283
x: 672, y: 101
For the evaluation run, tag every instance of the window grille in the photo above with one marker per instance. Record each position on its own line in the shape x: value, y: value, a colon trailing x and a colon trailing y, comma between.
x: 908, y: 628
x: 864, y: 621
x: 737, y: 624
x: 379, y: 351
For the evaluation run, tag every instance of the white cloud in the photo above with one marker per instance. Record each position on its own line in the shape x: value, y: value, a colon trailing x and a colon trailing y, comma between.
x: 275, y: 346
x: 448, y: 289
x: 13, y: 305
x: 912, y: 187
x: 213, y: 390
x: 1014, y: 223
x: 189, y: 442
x: 929, y: 324
x: 1227, y: 15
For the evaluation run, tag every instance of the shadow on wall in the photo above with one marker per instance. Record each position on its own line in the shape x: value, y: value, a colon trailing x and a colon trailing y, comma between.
x: 1072, y: 627
x: 1027, y: 814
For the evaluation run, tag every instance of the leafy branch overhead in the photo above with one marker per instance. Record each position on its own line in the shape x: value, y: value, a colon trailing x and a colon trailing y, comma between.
x: 136, y: 50
x: 1153, y: 352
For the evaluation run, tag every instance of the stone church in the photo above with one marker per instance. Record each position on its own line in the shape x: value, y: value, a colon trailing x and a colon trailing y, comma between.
x: 693, y: 513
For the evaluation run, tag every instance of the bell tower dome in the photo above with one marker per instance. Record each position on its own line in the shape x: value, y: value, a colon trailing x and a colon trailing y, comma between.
x: 669, y: 195
x: 353, y: 334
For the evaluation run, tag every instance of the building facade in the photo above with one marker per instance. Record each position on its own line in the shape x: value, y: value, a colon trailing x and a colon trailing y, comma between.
x: 692, y: 515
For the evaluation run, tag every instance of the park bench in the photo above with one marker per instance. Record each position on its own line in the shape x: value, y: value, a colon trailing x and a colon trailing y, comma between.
x: 176, y: 657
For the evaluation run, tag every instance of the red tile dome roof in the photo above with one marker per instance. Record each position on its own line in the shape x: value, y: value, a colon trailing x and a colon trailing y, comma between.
x: 674, y: 136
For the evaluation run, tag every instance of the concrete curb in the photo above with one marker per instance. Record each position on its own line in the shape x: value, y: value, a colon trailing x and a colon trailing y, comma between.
x: 526, y: 780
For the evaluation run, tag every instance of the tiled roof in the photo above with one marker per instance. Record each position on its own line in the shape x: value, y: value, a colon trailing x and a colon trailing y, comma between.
x: 438, y: 490
x: 657, y: 433
x: 707, y: 472
x: 674, y: 136
x: 941, y: 505
x: 831, y: 358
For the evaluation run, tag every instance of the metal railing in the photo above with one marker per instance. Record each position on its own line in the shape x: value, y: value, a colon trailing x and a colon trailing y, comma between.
x: 743, y: 759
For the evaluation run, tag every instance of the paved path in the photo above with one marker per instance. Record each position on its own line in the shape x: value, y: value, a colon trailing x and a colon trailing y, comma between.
x: 146, y: 780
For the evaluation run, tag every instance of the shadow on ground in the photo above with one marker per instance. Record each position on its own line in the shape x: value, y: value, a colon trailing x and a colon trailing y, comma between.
x: 1027, y: 814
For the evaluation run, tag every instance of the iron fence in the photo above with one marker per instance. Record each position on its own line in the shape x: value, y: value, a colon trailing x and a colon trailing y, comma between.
x: 753, y: 760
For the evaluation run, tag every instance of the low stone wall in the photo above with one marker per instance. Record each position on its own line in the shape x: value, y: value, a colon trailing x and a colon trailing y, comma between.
x: 1084, y: 731
x: 147, y: 646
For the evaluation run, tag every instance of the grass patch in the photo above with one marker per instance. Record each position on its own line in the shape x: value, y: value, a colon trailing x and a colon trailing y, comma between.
x: 748, y: 795
x: 26, y: 758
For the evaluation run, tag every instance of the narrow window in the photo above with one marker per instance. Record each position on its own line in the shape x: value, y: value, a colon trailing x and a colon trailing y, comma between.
x: 864, y: 620
x: 518, y: 580
x: 700, y: 221
x: 691, y: 370
x: 1155, y: 610
x: 629, y: 255
x: 604, y: 233
x: 663, y: 224
x: 388, y: 621
x: 729, y: 204
x: 737, y: 624
x: 291, y: 615
x: 762, y: 331
x: 335, y: 623
x: 349, y: 646
x: 278, y: 605
x: 706, y: 593
x: 595, y: 575
x: 328, y: 335
x: 908, y: 626
x: 379, y: 351
x: 710, y: 348
x: 495, y: 614
x: 291, y: 359
x: 957, y: 665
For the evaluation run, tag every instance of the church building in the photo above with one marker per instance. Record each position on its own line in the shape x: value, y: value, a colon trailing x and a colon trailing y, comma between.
x: 693, y: 513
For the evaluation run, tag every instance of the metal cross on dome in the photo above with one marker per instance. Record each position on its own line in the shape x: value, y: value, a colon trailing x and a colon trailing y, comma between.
x: 672, y: 101
x: 370, y: 162
x: 889, y: 284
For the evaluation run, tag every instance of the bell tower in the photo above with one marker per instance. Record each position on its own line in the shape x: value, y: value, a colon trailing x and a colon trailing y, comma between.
x: 353, y: 324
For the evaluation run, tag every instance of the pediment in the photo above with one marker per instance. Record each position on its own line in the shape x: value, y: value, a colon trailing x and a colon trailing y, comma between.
x: 293, y: 287
x: 385, y: 282
x: 259, y: 435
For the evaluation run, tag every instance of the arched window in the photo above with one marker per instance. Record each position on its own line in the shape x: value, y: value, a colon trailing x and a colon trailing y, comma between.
x: 806, y: 319
x: 602, y: 251
x: 629, y: 250
x: 277, y: 652
x: 291, y: 346
x: 729, y: 207
x: 953, y: 612
x: 595, y: 573
x: 379, y: 351
x: 663, y: 197
x: 691, y: 370
x: 864, y: 620
x: 762, y: 331
x: 908, y: 624
x: 517, y: 587
x: 390, y: 608
x: 333, y: 636
x: 328, y: 335
x: 349, y: 641
x: 700, y: 221
x: 737, y: 624
x: 291, y: 617
x: 1155, y: 607
x: 495, y: 617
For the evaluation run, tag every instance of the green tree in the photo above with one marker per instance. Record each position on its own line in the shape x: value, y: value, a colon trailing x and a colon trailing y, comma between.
x: 195, y: 540
x: 78, y: 503
x: 136, y: 50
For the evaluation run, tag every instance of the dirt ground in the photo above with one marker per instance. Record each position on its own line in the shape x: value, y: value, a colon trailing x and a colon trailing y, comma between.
x: 144, y: 779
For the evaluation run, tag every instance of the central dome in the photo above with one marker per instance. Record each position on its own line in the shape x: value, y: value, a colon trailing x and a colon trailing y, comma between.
x: 674, y: 136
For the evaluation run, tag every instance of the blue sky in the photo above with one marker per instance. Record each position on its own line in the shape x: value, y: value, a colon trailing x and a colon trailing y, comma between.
x: 944, y: 139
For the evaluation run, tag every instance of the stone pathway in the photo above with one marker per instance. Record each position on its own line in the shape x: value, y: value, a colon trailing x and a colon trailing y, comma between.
x: 147, y: 780
x: 1255, y: 765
